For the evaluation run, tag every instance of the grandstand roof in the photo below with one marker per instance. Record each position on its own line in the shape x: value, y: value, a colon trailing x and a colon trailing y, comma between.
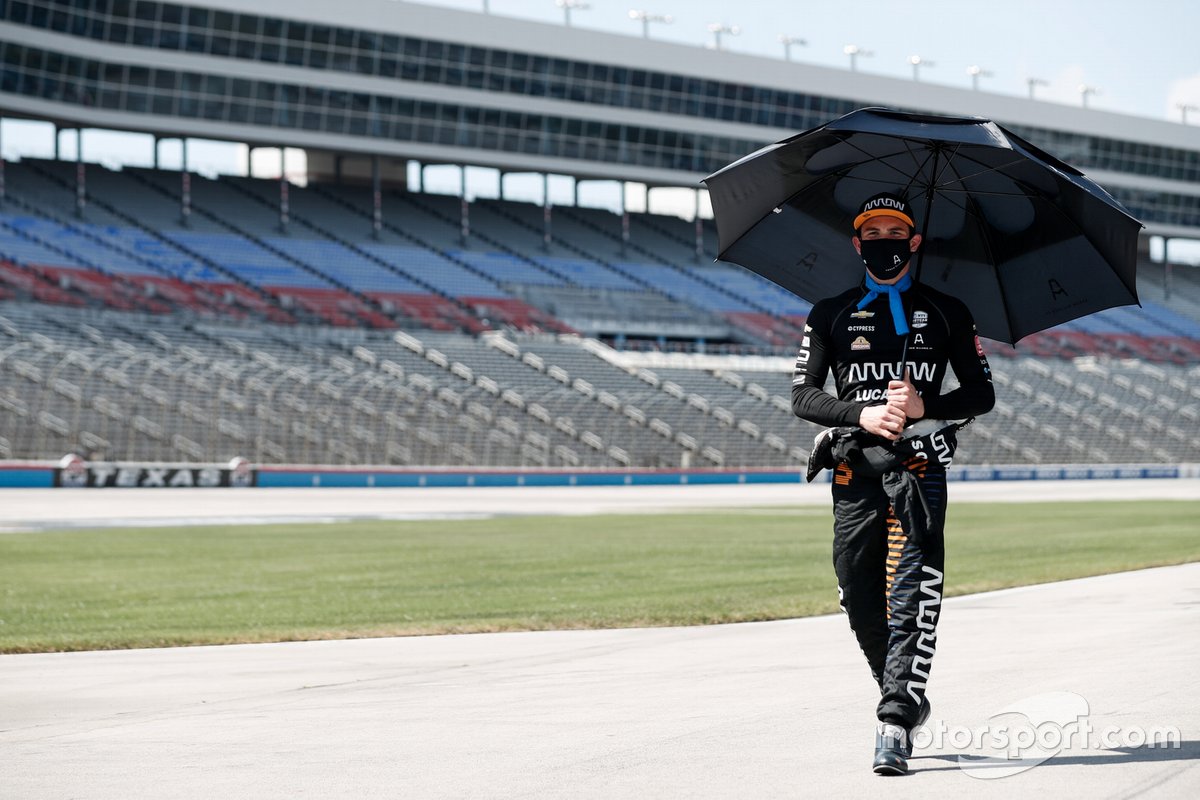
x: 669, y: 144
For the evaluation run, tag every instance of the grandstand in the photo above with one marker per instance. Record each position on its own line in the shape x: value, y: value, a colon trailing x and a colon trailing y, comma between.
x: 153, y: 315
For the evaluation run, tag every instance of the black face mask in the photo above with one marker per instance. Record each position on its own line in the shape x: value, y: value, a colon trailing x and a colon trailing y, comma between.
x: 885, y: 257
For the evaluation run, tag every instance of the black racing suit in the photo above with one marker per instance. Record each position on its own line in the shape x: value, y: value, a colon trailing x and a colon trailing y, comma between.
x: 888, y: 546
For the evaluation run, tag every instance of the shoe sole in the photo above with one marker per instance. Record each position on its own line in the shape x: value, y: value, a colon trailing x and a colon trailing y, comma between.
x: 889, y: 769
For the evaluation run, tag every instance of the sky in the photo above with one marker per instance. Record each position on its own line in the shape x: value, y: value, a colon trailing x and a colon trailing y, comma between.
x: 1140, y: 58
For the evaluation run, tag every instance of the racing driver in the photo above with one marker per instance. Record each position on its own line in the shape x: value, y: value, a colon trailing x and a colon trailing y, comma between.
x: 891, y: 441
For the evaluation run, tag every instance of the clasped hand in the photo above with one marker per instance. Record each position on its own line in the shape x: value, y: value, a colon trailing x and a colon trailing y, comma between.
x: 903, y: 403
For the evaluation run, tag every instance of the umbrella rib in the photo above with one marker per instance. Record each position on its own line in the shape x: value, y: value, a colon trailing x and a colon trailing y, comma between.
x: 871, y: 158
x: 986, y: 169
x: 931, y: 188
x: 918, y: 165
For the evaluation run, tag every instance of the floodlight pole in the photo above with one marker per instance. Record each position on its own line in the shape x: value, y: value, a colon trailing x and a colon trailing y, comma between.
x: 645, y: 17
x: 787, y: 42
x: 917, y: 64
x: 975, y: 71
x: 717, y: 28
x: 854, y: 51
x: 568, y: 5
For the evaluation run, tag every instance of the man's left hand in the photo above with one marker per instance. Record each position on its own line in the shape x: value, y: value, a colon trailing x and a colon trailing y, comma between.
x: 903, y: 395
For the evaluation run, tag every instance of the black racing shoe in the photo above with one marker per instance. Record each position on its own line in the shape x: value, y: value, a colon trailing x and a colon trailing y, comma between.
x: 922, y: 718
x: 891, y: 750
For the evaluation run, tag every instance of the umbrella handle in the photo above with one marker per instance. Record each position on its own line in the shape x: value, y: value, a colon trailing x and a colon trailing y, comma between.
x: 925, y: 221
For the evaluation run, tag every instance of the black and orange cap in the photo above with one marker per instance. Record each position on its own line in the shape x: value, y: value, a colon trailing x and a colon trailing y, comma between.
x: 884, y: 205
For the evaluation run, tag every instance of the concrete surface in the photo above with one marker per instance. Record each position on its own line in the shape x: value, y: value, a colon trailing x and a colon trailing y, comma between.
x: 760, y: 710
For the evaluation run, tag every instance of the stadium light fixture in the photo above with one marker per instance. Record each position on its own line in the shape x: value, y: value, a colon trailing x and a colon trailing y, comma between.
x: 1184, y: 108
x: 854, y: 51
x: 645, y: 17
x: 717, y: 28
x: 571, y: 5
x: 918, y: 62
x: 787, y: 42
x: 1033, y: 83
x: 976, y: 71
x: 1085, y: 92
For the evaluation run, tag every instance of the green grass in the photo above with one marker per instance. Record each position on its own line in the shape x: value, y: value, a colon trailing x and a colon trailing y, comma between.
x: 98, y: 589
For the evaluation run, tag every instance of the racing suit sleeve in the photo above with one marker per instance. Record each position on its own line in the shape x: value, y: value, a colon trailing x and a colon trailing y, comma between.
x: 809, y: 399
x: 975, y: 394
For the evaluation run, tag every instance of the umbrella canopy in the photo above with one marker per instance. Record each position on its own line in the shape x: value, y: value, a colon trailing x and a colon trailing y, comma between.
x: 1026, y: 241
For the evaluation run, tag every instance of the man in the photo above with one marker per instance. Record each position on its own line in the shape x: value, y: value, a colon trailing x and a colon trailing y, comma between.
x: 890, y: 450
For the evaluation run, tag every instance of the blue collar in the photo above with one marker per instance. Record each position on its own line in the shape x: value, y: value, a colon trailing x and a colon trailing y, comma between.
x: 894, y: 300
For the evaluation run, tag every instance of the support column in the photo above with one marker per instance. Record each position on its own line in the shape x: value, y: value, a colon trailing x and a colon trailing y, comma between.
x: 547, y: 217
x: 250, y: 160
x: 337, y: 170
x: 2, y: 188
x: 185, y: 186
x: 283, y: 194
x: 80, y: 175
x: 465, y: 208
x: 376, y: 195
x: 156, y: 141
x: 699, y: 232
x: 502, y: 174
x: 1168, y: 278
x: 624, y: 219
x: 421, y: 188
x: 56, y: 153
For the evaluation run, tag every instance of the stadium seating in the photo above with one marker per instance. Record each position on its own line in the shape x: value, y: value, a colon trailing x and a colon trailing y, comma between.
x: 132, y: 331
x: 133, y: 385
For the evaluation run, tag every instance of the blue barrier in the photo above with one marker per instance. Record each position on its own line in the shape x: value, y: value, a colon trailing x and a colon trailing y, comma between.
x: 27, y: 478
x: 268, y: 477
x: 38, y: 476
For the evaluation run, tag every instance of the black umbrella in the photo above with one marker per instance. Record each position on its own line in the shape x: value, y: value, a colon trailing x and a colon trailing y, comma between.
x: 1026, y: 241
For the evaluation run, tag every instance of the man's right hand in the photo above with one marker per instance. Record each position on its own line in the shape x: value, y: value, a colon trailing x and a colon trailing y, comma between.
x: 883, y: 420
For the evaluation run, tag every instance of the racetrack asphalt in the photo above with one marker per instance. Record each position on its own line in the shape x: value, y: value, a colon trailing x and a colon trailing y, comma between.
x: 758, y: 710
